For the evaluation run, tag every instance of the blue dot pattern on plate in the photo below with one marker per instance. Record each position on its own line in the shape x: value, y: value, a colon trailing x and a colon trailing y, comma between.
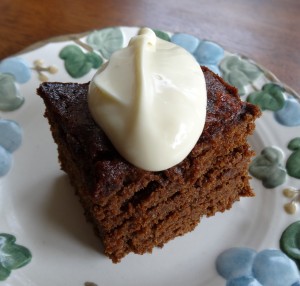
x: 189, y: 42
x: 10, y: 97
x: 16, y: 67
x: 289, y: 115
x: 243, y: 281
x: 12, y: 70
x: 245, y: 267
x: 207, y: 53
x: 10, y: 140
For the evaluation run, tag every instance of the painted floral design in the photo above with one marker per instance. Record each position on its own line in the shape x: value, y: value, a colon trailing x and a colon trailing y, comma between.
x: 271, y: 97
x: 106, y: 41
x: 275, y: 98
x: 10, y: 96
x: 293, y: 162
x: 13, y: 71
x: 239, y: 72
x: 17, y: 67
x: 77, y: 62
x: 289, y: 114
x: 41, y: 69
x: 12, y: 255
x: 293, y: 194
x: 268, y: 167
x: 244, y: 267
x: 162, y: 35
x: 207, y: 53
x: 187, y: 41
x: 290, y: 243
x: 10, y: 141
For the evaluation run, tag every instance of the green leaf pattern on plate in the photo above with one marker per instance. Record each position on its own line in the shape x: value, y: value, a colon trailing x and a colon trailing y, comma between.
x: 162, y: 35
x: 293, y: 162
x: 106, y: 41
x: 271, y: 97
x: 12, y: 255
x: 239, y: 72
x: 78, y: 63
x: 290, y: 242
x: 268, y: 167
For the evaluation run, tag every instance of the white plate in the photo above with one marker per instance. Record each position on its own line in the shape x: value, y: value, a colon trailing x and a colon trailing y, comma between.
x: 38, y: 206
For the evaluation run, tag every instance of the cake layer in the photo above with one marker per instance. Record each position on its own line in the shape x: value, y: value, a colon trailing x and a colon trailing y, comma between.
x: 174, y: 223
x: 150, y: 218
x: 187, y: 173
x: 153, y: 200
x: 122, y: 206
x: 157, y: 198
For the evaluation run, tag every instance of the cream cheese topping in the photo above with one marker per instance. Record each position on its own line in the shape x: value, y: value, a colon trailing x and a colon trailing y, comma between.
x: 150, y: 100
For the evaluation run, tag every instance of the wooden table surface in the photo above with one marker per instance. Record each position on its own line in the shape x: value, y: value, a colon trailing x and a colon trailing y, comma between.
x: 267, y: 31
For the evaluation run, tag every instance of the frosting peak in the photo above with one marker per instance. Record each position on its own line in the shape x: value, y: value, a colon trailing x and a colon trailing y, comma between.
x: 150, y: 100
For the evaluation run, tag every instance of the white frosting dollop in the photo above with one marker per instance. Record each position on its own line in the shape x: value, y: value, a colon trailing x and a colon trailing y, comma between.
x: 150, y: 100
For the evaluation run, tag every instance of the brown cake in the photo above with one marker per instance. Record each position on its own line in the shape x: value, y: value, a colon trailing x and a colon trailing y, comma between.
x: 134, y: 210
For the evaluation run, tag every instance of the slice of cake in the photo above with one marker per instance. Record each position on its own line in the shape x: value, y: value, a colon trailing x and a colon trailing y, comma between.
x: 134, y: 210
